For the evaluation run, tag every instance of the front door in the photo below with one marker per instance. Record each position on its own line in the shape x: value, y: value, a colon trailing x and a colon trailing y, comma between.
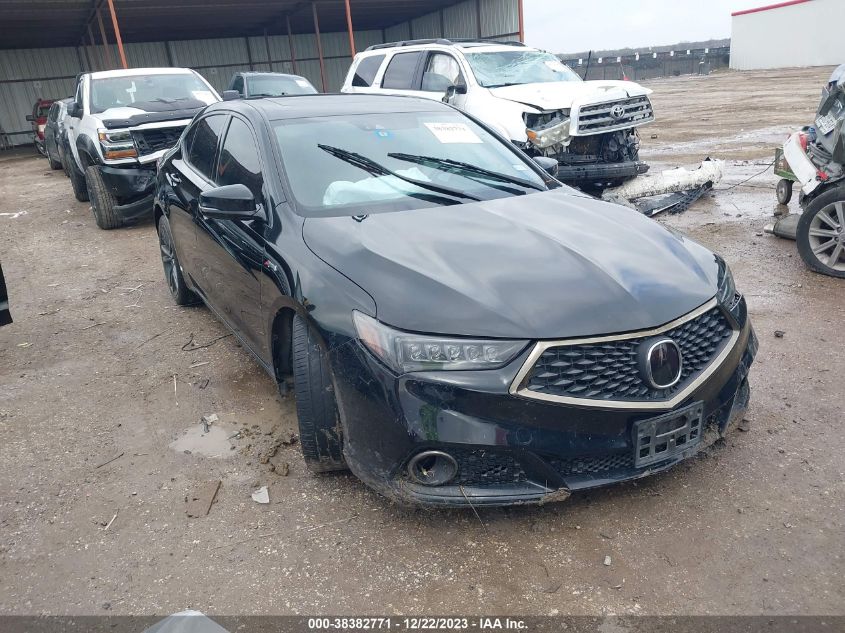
x: 232, y: 251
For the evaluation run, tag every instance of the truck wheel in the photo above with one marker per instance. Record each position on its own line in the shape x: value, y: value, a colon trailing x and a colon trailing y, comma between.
x: 172, y: 270
x: 77, y: 181
x: 784, y: 191
x: 821, y: 234
x: 316, y: 409
x: 102, y: 200
x: 54, y: 164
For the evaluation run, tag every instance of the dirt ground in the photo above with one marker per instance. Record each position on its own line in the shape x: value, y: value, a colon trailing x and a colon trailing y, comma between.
x: 96, y: 367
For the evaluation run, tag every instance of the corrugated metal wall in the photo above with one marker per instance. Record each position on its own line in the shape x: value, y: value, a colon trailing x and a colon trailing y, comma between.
x: 26, y: 75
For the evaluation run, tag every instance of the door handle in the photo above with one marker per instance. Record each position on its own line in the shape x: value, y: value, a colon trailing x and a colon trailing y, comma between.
x: 174, y: 179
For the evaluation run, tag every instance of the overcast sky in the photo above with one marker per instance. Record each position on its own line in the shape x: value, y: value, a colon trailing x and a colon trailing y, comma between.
x: 572, y: 26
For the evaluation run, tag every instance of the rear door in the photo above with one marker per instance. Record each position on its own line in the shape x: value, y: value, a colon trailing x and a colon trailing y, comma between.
x: 403, y: 73
x: 189, y: 174
x: 231, y: 252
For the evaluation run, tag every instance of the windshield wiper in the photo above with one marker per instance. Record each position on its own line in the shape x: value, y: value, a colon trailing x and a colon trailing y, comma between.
x: 372, y: 167
x: 505, y: 85
x: 440, y: 163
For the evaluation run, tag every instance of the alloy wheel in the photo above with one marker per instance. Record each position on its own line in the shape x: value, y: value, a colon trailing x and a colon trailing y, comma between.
x: 827, y: 236
x: 168, y: 259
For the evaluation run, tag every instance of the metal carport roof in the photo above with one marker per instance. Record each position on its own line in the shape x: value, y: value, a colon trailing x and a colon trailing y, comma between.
x: 47, y: 23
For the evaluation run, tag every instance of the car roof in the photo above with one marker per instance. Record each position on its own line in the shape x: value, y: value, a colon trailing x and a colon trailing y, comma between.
x: 258, y: 73
x: 132, y: 72
x: 302, y: 106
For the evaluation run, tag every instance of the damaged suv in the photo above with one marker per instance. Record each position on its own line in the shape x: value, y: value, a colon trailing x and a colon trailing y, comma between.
x: 527, y: 95
x: 119, y: 124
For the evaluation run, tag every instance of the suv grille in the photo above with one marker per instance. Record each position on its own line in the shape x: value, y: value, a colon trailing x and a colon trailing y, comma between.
x: 614, y: 115
x: 150, y: 141
x: 592, y: 465
x: 608, y: 370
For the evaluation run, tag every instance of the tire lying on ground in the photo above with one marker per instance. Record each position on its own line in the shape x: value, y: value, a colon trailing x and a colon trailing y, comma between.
x: 77, y: 181
x: 316, y: 409
x: 821, y: 233
x: 103, y: 201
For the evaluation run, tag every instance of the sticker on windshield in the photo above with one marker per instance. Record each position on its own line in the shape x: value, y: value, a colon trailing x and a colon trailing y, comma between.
x: 302, y: 83
x: 203, y: 95
x: 554, y: 65
x: 453, y: 133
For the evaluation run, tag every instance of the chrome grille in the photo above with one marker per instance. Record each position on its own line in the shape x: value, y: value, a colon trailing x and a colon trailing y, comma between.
x: 603, y: 117
x: 608, y: 371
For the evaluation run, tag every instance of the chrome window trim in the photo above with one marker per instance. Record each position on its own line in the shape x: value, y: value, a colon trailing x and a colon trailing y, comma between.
x: 542, y: 346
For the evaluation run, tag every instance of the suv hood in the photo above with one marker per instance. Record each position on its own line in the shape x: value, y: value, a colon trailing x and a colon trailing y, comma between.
x: 560, y: 95
x: 544, y: 266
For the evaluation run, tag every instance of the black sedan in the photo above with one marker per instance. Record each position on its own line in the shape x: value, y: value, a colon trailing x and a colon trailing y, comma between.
x: 461, y: 329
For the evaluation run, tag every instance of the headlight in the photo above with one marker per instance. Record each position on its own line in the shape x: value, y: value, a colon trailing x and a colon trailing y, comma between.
x: 117, y: 144
x: 405, y: 352
x: 727, y: 288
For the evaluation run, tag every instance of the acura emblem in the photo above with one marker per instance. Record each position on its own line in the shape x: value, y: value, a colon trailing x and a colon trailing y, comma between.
x: 617, y: 112
x: 661, y: 362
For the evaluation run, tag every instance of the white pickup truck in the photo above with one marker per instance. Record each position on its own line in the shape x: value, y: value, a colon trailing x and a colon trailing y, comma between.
x: 120, y: 123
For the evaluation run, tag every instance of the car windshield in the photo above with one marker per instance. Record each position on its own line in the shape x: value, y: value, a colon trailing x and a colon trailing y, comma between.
x: 270, y: 86
x: 510, y: 68
x: 356, y: 165
x: 143, y: 90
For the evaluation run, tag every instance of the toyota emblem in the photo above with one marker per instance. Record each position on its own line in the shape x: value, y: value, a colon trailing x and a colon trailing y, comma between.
x: 617, y: 112
x: 661, y: 363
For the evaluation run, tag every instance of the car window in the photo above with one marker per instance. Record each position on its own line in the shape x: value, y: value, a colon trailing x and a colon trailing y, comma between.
x: 239, y: 162
x: 325, y: 159
x: 366, y: 71
x: 78, y: 97
x: 441, y: 71
x: 279, y: 86
x: 203, y: 145
x: 238, y: 84
x: 400, y: 71
x: 509, y: 68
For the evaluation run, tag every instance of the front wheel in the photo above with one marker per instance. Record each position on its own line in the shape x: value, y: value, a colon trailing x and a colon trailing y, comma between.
x: 172, y: 270
x: 821, y: 234
x: 316, y: 410
x: 103, y: 201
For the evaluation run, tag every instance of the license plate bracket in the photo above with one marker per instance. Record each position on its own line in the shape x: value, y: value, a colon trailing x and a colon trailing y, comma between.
x: 667, y: 435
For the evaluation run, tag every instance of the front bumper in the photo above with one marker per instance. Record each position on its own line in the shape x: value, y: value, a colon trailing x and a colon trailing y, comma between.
x: 600, y: 172
x: 133, y: 188
x: 510, y: 449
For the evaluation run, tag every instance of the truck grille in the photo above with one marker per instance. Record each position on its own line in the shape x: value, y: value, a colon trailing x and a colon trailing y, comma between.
x: 614, y: 115
x: 151, y: 141
x: 608, y: 371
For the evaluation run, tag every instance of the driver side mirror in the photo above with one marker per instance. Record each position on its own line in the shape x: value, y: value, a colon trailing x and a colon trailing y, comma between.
x: 456, y: 89
x: 30, y: 118
x: 230, y: 202
x: 74, y: 110
x: 548, y: 165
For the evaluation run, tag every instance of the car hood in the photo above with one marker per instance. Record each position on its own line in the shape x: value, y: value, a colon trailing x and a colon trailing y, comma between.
x: 560, y: 95
x: 543, y: 266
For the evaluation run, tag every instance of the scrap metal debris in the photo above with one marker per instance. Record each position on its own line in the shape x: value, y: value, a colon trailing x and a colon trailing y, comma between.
x: 672, y: 190
x: 261, y: 495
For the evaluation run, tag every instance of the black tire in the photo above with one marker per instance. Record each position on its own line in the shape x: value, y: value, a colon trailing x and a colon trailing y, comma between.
x: 179, y: 290
x: 77, y: 181
x: 54, y: 164
x: 784, y: 191
x: 821, y: 233
x: 319, y: 424
x: 103, y: 201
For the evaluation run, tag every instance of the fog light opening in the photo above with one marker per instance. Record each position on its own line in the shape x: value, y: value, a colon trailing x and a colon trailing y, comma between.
x: 433, y: 468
